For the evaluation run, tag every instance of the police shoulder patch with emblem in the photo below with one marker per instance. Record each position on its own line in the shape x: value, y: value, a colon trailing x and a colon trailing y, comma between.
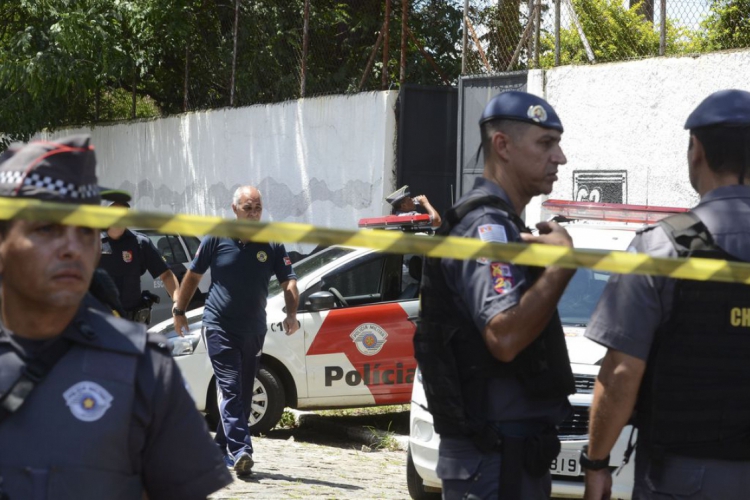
x: 492, y: 233
x: 88, y: 401
x: 502, y: 277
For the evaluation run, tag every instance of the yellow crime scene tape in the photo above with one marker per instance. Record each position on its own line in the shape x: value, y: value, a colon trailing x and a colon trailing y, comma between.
x: 385, y: 241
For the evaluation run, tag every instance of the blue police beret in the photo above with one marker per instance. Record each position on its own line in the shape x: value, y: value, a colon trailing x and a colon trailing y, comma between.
x: 522, y: 107
x: 725, y: 107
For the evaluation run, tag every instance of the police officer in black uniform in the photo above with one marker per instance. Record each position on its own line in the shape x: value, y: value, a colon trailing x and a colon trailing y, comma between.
x: 126, y: 256
x: 91, y: 406
x: 678, y: 349
x: 489, y: 342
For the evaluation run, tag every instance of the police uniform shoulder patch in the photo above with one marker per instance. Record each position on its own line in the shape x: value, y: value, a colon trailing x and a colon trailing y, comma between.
x: 262, y: 256
x: 502, y: 277
x: 492, y: 233
x: 369, y: 338
x: 88, y: 401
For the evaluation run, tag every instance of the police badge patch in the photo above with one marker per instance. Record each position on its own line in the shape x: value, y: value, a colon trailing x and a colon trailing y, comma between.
x: 88, y: 401
x: 262, y: 256
x: 127, y: 256
x: 502, y: 277
x: 369, y: 338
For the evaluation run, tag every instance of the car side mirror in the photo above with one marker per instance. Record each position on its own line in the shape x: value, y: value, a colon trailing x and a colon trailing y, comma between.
x: 320, y: 301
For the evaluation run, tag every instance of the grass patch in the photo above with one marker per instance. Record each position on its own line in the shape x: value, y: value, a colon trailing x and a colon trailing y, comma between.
x: 386, y: 439
x: 370, y: 410
x: 287, y: 421
x: 392, y: 419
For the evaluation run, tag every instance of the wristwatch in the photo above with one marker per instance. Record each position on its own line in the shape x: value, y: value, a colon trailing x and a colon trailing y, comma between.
x: 177, y: 312
x: 587, y: 463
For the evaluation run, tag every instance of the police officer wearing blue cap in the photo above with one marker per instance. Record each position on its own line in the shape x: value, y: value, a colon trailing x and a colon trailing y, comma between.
x: 678, y: 349
x: 91, y: 406
x: 489, y: 343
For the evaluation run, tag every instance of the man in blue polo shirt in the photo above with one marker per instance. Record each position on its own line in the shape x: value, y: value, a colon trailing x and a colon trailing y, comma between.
x: 234, y: 319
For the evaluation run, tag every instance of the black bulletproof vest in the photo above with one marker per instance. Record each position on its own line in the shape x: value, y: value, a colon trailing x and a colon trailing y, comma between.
x: 125, y: 271
x: 453, y: 357
x: 695, y: 396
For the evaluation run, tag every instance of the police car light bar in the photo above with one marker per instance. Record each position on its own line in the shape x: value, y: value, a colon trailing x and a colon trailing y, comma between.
x: 396, y: 222
x: 608, y: 211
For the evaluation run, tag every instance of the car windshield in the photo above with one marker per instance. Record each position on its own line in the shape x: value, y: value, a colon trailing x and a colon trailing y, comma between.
x: 581, y: 296
x: 310, y: 264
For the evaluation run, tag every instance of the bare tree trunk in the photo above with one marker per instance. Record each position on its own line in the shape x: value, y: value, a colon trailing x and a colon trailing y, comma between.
x: 97, y: 102
x: 404, y: 28
x: 305, y: 49
x: 185, y: 87
x: 135, y: 85
x: 234, y: 51
x: 386, y: 42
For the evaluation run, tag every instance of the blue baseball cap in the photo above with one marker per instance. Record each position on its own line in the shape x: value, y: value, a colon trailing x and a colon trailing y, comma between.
x: 729, y: 108
x: 521, y: 107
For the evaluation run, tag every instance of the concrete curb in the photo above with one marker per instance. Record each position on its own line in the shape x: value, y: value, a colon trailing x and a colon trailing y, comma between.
x: 372, y: 438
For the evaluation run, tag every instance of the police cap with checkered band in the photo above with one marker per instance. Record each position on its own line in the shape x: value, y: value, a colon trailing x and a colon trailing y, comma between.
x: 61, y: 170
x: 522, y: 107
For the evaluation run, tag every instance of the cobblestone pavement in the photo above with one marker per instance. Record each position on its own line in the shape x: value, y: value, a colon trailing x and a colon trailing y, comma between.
x: 308, y: 463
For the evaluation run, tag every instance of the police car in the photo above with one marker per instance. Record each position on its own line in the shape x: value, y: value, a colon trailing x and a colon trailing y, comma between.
x: 601, y: 226
x: 353, y: 349
x: 177, y: 251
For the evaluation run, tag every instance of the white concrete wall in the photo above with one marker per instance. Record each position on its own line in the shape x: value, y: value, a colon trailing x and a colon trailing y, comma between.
x: 631, y: 116
x: 326, y: 161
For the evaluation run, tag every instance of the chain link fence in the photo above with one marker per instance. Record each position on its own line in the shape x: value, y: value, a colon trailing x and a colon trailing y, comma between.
x: 138, y: 58
x: 509, y: 35
x: 317, y: 47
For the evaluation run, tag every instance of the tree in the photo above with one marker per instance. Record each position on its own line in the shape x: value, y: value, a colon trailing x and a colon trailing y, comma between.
x: 615, y: 33
x: 727, y: 26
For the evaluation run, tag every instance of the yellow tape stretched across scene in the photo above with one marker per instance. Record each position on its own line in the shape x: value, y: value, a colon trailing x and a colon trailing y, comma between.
x: 385, y: 241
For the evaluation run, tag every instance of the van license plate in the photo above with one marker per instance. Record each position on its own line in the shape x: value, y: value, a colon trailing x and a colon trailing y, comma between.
x: 566, y: 463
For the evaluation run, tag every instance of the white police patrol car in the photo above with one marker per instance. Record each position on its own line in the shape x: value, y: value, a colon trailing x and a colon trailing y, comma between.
x: 177, y: 251
x: 600, y: 226
x: 353, y: 348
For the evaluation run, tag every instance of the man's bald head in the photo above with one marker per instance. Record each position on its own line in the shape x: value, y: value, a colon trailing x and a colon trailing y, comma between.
x: 247, y: 203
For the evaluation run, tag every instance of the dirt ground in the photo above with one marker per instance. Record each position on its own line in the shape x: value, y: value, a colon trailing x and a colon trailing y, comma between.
x: 307, y: 463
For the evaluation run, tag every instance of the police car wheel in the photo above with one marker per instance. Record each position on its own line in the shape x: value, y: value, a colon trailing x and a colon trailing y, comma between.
x: 414, y: 482
x: 268, y: 401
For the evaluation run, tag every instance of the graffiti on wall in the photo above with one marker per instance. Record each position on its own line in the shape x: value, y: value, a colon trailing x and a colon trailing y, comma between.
x: 600, y: 186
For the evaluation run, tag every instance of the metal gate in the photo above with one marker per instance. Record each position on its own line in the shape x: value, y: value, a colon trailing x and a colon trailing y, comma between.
x: 427, y: 136
x: 474, y: 93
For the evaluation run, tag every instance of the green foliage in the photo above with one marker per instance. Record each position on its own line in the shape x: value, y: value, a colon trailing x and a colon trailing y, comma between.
x: 615, y: 33
x: 727, y: 26
x: 70, y: 62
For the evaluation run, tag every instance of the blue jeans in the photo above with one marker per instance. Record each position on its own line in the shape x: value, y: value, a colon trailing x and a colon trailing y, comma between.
x: 236, y: 361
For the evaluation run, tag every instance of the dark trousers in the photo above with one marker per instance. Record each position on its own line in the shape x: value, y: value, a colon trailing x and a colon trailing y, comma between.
x: 685, y: 478
x: 469, y: 474
x: 236, y: 361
